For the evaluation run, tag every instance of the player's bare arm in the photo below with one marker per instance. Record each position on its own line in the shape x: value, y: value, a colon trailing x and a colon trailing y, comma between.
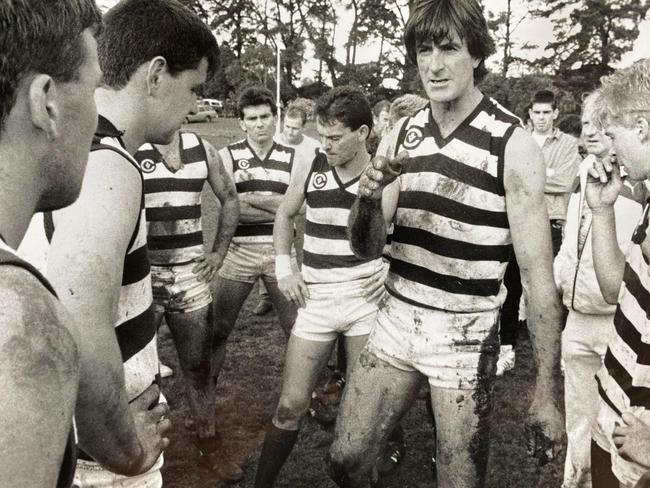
x: 290, y: 281
x: 225, y: 191
x: 524, y: 178
x: 86, y: 268
x: 39, y: 371
x: 603, y: 187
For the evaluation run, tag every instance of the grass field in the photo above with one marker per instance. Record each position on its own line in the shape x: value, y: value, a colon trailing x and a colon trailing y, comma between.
x: 249, y: 388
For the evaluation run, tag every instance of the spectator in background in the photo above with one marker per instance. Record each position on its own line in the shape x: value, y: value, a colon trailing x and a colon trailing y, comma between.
x: 380, y: 111
x: 561, y: 157
x: 404, y: 106
x: 572, y: 125
x: 589, y: 322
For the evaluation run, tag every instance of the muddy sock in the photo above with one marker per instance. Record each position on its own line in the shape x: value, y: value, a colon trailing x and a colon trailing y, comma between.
x: 278, y: 443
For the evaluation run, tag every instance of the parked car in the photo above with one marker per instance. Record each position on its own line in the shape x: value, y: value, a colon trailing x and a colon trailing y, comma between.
x: 214, y: 103
x: 204, y: 113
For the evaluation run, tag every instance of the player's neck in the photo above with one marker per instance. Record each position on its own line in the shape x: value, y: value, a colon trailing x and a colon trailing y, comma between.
x: 111, y: 103
x: 449, y: 115
x: 261, y: 149
x: 18, y: 197
x: 546, y: 133
x: 355, y: 166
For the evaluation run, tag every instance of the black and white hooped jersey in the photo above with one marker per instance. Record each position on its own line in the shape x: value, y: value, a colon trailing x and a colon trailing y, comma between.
x: 327, y: 256
x: 451, y: 241
x: 173, y: 201
x: 253, y: 175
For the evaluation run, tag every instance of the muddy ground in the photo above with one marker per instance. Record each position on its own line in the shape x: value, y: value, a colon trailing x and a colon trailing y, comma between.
x: 249, y: 387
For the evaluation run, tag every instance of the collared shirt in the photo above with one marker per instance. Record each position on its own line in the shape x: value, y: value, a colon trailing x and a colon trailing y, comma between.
x: 562, y: 160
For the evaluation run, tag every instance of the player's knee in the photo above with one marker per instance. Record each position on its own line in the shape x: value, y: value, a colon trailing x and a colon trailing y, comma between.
x: 289, y: 413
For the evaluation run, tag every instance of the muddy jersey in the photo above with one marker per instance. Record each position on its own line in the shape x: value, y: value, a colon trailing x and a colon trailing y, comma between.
x: 8, y: 257
x: 624, y: 379
x: 173, y: 201
x: 327, y: 256
x: 135, y: 330
x: 253, y: 175
x: 451, y: 240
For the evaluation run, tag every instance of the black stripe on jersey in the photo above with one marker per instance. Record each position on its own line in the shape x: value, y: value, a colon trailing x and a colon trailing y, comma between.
x: 636, y: 289
x: 605, y: 397
x: 164, y: 214
x: 261, y: 185
x: 136, y: 266
x: 248, y: 230
x: 177, y: 241
x: 501, y: 153
x: 454, y: 210
x: 267, y: 164
x: 450, y: 284
x: 628, y: 333
x: 443, y: 165
x: 639, y: 396
x: 159, y: 185
x: 450, y: 248
x: 474, y: 136
x: 334, y: 198
x: 326, y: 231
x: 134, y: 334
x: 196, y: 154
x: 329, y: 261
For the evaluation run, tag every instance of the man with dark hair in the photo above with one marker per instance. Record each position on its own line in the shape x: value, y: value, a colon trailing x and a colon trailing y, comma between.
x: 181, y: 270
x: 562, y: 159
x: 48, y: 75
x: 261, y: 169
x: 463, y: 183
x: 98, y: 257
x: 332, y: 290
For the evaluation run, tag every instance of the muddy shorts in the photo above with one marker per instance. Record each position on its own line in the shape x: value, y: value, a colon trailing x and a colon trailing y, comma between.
x: 251, y: 260
x: 446, y: 347
x: 89, y: 474
x: 334, y: 308
x: 176, y: 289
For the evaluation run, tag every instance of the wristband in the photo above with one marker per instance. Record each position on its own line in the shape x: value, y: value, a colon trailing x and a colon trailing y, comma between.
x: 283, y: 266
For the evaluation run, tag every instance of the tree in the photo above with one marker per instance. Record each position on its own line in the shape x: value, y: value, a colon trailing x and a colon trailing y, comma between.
x: 592, y: 33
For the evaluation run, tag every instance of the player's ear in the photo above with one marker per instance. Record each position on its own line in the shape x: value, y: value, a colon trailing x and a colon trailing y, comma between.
x: 43, y: 105
x: 642, y: 128
x: 363, y: 132
x: 156, y: 70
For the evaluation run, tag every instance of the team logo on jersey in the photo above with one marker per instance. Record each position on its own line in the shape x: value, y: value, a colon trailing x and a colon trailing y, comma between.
x: 243, y: 164
x: 320, y: 180
x: 147, y: 166
x: 414, y: 137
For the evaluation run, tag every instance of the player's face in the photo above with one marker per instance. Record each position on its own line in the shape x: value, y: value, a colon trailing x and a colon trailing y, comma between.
x: 630, y: 150
x: 292, y: 129
x: 66, y: 163
x: 543, y: 115
x: 446, y: 69
x: 339, y: 143
x: 381, y: 122
x: 177, y: 98
x: 594, y: 140
x: 258, y: 123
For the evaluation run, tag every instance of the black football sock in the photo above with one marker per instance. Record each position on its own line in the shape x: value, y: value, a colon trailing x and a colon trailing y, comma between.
x: 278, y: 443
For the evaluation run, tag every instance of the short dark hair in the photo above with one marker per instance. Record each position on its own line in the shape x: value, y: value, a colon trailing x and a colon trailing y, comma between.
x: 42, y: 36
x: 544, y: 96
x: 571, y: 124
x: 437, y: 20
x: 345, y: 104
x: 380, y: 106
x: 296, y: 112
x: 137, y: 31
x: 253, y: 96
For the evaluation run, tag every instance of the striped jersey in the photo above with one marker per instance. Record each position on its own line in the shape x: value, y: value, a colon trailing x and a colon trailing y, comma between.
x: 624, y: 379
x: 173, y: 201
x: 135, y: 330
x: 253, y: 175
x: 451, y: 240
x: 327, y: 256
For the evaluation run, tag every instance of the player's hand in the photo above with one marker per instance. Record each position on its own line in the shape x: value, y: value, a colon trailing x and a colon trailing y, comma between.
x: 604, y: 183
x: 207, y: 266
x: 632, y: 438
x: 374, y: 285
x: 294, y: 289
x: 380, y: 173
x: 151, y: 424
x: 544, y: 430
